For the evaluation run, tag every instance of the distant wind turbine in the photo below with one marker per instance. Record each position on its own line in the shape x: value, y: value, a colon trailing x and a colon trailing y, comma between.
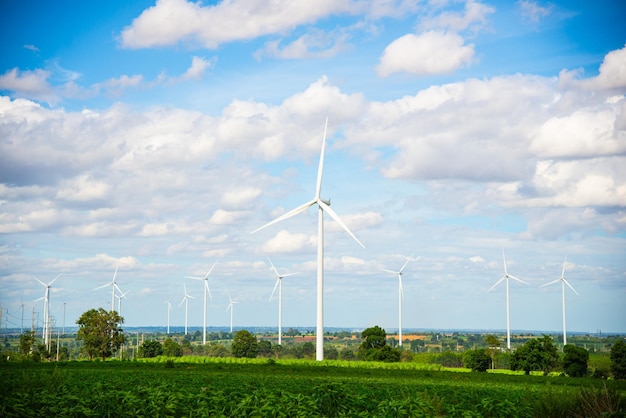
x: 206, y: 290
x: 506, y: 278
x: 323, y: 206
x: 46, y: 309
x: 563, y: 283
x: 114, y: 286
x: 400, y: 295
x: 119, y: 301
x: 279, y: 284
x: 186, y: 300
x: 169, y: 311
x: 231, y: 306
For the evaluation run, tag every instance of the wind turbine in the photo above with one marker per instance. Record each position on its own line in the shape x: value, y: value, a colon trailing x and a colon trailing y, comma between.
x: 231, y: 307
x: 169, y: 311
x: 563, y: 283
x: 119, y: 301
x: 279, y: 284
x: 506, y: 277
x: 323, y: 206
x: 400, y: 296
x: 186, y: 300
x: 206, y: 290
x: 114, y: 286
x: 46, y: 309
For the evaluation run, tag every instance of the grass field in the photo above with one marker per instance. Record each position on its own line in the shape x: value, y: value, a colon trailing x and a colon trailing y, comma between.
x: 296, y: 388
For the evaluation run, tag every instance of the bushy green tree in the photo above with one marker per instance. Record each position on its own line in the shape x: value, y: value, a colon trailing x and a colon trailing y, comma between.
x: 575, y: 360
x: 150, y: 349
x: 101, y: 332
x: 171, y: 348
x: 537, y: 354
x: 478, y: 360
x: 264, y: 348
x: 618, y: 360
x: 27, y: 341
x: 374, y: 346
x: 244, y: 344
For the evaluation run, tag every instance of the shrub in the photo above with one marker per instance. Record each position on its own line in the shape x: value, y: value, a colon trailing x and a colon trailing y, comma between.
x: 575, y: 360
x: 477, y: 360
x: 618, y: 360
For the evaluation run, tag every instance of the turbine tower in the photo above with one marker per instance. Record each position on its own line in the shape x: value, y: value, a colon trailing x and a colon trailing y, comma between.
x: 323, y: 206
x: 46, y: 310
x: 169, y: 311
x: 231, y: 307
x: 506, y: 277
x: 206, y: 290
x: 563, y: 283
x: 119, y: 301
x: 279, y: 284
x: 114, y: 286
x: 400, y: 296
x: 186, y: 300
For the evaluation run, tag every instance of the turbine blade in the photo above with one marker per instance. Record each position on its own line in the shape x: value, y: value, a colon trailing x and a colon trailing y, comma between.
x: 273, y: 268
x: 552, y: 282
x: 563, y: 272
x: 337, y: 219
x: 115, y: 274
x: 274, y: 290
x: 181, y: 302
x: 58, y: 275
x: 404, y: 265
x: 497, y: 283
x: 289, y: 214
x: 211, y: 269
x: 519, y: 280
x: 570, y: 286
x: 389, y: 271
x: 42, y: 283
x: 193, y: 277
x: 287, y: 275
x: 320, y: 168
x: 504, y: 259
x: 103, y: 286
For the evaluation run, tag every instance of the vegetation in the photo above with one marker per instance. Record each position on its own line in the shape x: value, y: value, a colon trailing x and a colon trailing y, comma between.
x: 101, y: 332
x: 537, y: 354
x: 150, y: 348
x: 575, y: 360
x: 478, y: 360
x: 374, y: 346
x: 195, y: 386
x: 244, y: 345
x: 618, y: 360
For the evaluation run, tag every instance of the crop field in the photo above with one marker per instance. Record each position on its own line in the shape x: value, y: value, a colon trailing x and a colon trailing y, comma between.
x: 267, y: 388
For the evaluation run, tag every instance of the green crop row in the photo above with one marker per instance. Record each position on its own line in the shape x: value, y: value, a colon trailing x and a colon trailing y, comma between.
x: 290, y: 389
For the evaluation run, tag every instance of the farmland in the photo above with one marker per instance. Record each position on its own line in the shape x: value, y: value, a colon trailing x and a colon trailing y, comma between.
x: 202, y: 386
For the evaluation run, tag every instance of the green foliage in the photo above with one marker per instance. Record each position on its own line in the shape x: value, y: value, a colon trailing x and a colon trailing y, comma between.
x: 374, y: 337
x: 448, y: 359
x: 575, y: 360
x: 536, y: 354
x: 171, y: 348
x: 101, y: 332
x: 477, y: 360
x: 618, y: 360
x: 244, y: 344
x: 374, y: 346
x: 27, y: 341
x: 150, y: 348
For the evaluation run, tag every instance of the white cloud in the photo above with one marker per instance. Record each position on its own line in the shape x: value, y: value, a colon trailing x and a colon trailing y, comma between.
x: 286, y: 242
x: 612, y: 74
x: 533, y: 11
x: 83, y: 189
x: 29, y: 84
x: 428, y: 53
x: 474, y: 17
x: 198, y: 68
x: 314, y: 44
x: 172, y: 21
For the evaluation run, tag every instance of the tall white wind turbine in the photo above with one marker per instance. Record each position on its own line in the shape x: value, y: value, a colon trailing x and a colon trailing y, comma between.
x: 231, y: 306
x: 279, y: 285
x: 400, y: 295
x: 114, y: 286
x: 506, y: 278
x: 119, y: 301
x: 186, y: 300
x: 563, y: 283
x: 169, y: 311
x: 46, y: 309
x: 323, y: 206
x: 205, y: 290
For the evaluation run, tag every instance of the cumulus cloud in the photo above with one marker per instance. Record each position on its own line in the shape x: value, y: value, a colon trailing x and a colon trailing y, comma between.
x: 171, y: 21
x: 29, y: 84
x: 612, y: 74
x: 198, y: 68
x: 286, y: 242
x: 428, y: 53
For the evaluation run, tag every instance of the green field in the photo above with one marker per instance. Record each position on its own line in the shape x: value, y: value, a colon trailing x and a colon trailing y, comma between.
x: 296, y: 388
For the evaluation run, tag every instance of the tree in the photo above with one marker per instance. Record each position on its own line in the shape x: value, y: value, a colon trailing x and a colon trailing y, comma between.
x: 493, y: 343
x: 618, y: 360
x: 171, y: 348
x: 27, y: 341
x: 244, y: 344
x: 264, y: 348
x: 478, y: 360
x: 100, y: 332
x: 150, y: 349
x: 374, y: 346
x: 537, y: 354
x: 575, y: 360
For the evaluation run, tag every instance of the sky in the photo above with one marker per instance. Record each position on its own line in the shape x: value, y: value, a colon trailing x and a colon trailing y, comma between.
x: 154, y: 137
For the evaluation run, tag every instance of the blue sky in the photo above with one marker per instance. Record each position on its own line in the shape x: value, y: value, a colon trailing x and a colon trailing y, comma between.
x: 155, y: 136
